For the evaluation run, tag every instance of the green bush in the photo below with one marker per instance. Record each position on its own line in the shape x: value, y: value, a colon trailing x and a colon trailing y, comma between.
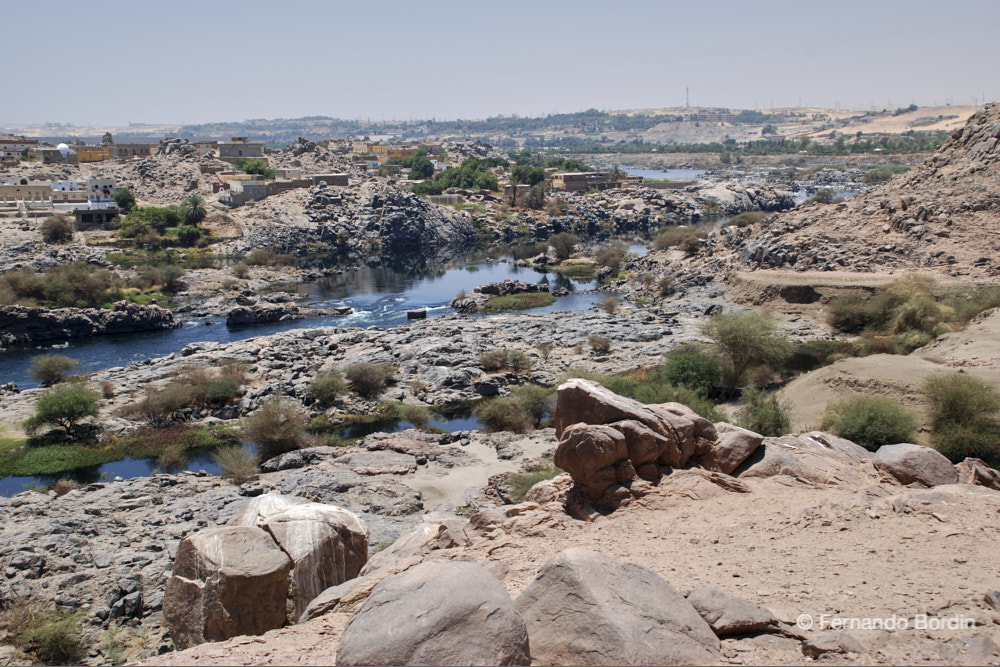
x: 746, y: 218
x: 327, y: 386
x: 504, y: 414
x: 125, y: 200
x: 268, y: 257
x: 238, y: 465
x: 221, y: 390
x: 523, y: 301
x: 493, y: 360
x: 57, y: 229
x: 417, y: 415
x: 54, y: 638
x: 748, y: 340
x: 687, y: 239
x: 276, y: 426
x: 964, y: 417
x: 563, y: 244
x: 50, y: 369
x: 170, y: 277
x: 255, y: 165
x: 369, y: 379
x: 519, y: 361
x: 695, y: 370
x: 521, y: 482
x: 534, y: 400
x: 612, y: 256
x: 869, y: 422
x: 188, y: 235
x: 763, y: 413
x: 62, y: 405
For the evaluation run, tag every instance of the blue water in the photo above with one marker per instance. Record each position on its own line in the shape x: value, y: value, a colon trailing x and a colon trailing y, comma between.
x: 665, y: 174
x: 379, y: 297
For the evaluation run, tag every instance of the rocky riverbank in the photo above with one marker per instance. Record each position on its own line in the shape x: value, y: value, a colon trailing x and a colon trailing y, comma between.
x: 20, y: 324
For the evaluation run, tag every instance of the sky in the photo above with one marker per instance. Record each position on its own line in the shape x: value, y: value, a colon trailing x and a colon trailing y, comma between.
x: 110, y: 62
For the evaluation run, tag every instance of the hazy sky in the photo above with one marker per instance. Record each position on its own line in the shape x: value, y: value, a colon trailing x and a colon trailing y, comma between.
x: 109, y: 62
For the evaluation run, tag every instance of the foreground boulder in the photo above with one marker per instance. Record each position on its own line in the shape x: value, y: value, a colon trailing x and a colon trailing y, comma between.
x: 585, y: 608
x: 226, y: 582
x: 915, y: 464
x: 437, y: 613
x: 328, y: 545
x: 729, y: 616
x: 734, y: 447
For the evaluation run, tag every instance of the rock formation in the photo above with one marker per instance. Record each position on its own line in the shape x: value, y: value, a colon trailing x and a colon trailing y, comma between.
x: 22, y: 324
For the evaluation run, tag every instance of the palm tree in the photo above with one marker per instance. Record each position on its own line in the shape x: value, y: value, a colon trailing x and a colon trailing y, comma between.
x: 193, y: 209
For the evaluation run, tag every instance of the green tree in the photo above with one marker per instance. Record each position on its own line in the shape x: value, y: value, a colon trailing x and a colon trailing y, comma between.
x: 563, y: 244
x: 748, y: 340
x: 50, y: 369
x: 188, y: 235
x: 193, y: 210
x: 125, y: 199
x: 62, y: 405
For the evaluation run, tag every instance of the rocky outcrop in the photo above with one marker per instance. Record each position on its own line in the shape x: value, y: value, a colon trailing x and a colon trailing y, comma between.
x: 976, y: 472
x: 226, y: 582
x: 437, y: 613
x: 915, y: 464
x: 21, y: 324
x: 471, y: 302
x: 585, y: 608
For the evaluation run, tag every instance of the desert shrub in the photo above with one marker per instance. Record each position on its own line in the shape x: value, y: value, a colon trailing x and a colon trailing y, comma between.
x: 869, y: 422
x: 746, y: 218
x: 50, y: 369
x: 159, y: 406
x: 52, y: 637
x: 125, y: 200
x: 880, y: 345
x: 57, y: 229
x: 763, y: 413
x: 599, y: 344
x: 417, y: 415
x: 172, y: 458
x: 610, y: 305
x: 612, y: 257
x: 369, y: 379
x: 964, y: 417
x: 504, y: 414
x: 234, y: 368
x: 241, y: 270
x: 687, y: 239
x: 519, y: 362
x: 562, y: 244
x: 238, y: 465
x: 544, y: 349
x: 276, y: 426
x: 221, y: 390
x: 107, y: 390
x: 534, y: 400
x: 522, y: 301
x: 748, y: 340
x: 665, y: 285
x: 170, y: 277
x: 878, y: 175
x: 268, y: 257
x: 695, y: 370
x: 62, y: 405
x: 521, y: 482
x: 493, y: 360
x: 327, y: 386
x: 64, y: 486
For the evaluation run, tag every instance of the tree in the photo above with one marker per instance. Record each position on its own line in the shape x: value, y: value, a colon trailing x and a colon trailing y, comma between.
x: 57, y: 229
x: 188, y: 235
x: 62, y: 405
x: 421, y: 167
x: 50, y: 369
x: 748, y: 340
x: 193, y: 210
x: 563, y: 244
x: 125, y: 199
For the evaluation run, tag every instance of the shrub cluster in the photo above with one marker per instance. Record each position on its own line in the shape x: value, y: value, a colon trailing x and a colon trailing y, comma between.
x: 50, y: 369
x: 763, y: 413
x: 368, y: 379
x: 520, y: 412
x: 327, y: 386
x: 57, y: 229
x: 276, y: 427
x: 492, y: 361
x: 687, y: 239
x: 869, y: 422
x: 964, y: 416
x: 62, y: 405
x: 192, y: 387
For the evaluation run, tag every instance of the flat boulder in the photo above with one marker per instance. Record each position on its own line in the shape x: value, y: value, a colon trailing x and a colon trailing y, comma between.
x: 910, y: 464
x: 437, y: 613
x: 260, y: 509
x: 729, y: 616
x: 585, y: 608
x: 328, y: 545
x: 226, y: 582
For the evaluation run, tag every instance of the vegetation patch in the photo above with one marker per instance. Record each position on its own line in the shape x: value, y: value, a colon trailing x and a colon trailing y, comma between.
x: 521, y: 482
x: 523, y: 301
x: 686, y: 239
x: 869, y: 422
x: 576, y: 268
x: 965, y: 416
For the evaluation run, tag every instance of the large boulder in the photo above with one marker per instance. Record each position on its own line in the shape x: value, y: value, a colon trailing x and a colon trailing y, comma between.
x: 733, y: 448
x: 585, y: 401
x: 328, y: 545
x: 807, y: 457
x: 585, y: 608
x: 437, y: 613
x: 976, y: 472
x: 915, y: 464
x: 591, y: 454
x: 226, y: 582
x: 258, y: 510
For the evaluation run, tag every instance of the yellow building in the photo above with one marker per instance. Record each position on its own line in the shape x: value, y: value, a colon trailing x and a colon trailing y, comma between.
x: 92, y: 153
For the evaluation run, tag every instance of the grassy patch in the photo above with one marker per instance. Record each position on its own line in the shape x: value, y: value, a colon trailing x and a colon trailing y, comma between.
x: 746, y: 218
x: 518, y: 302
x: 576, y: 268
x: 521, y: 482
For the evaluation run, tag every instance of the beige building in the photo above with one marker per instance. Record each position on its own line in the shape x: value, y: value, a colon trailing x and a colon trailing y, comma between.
x: 238, y: 147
